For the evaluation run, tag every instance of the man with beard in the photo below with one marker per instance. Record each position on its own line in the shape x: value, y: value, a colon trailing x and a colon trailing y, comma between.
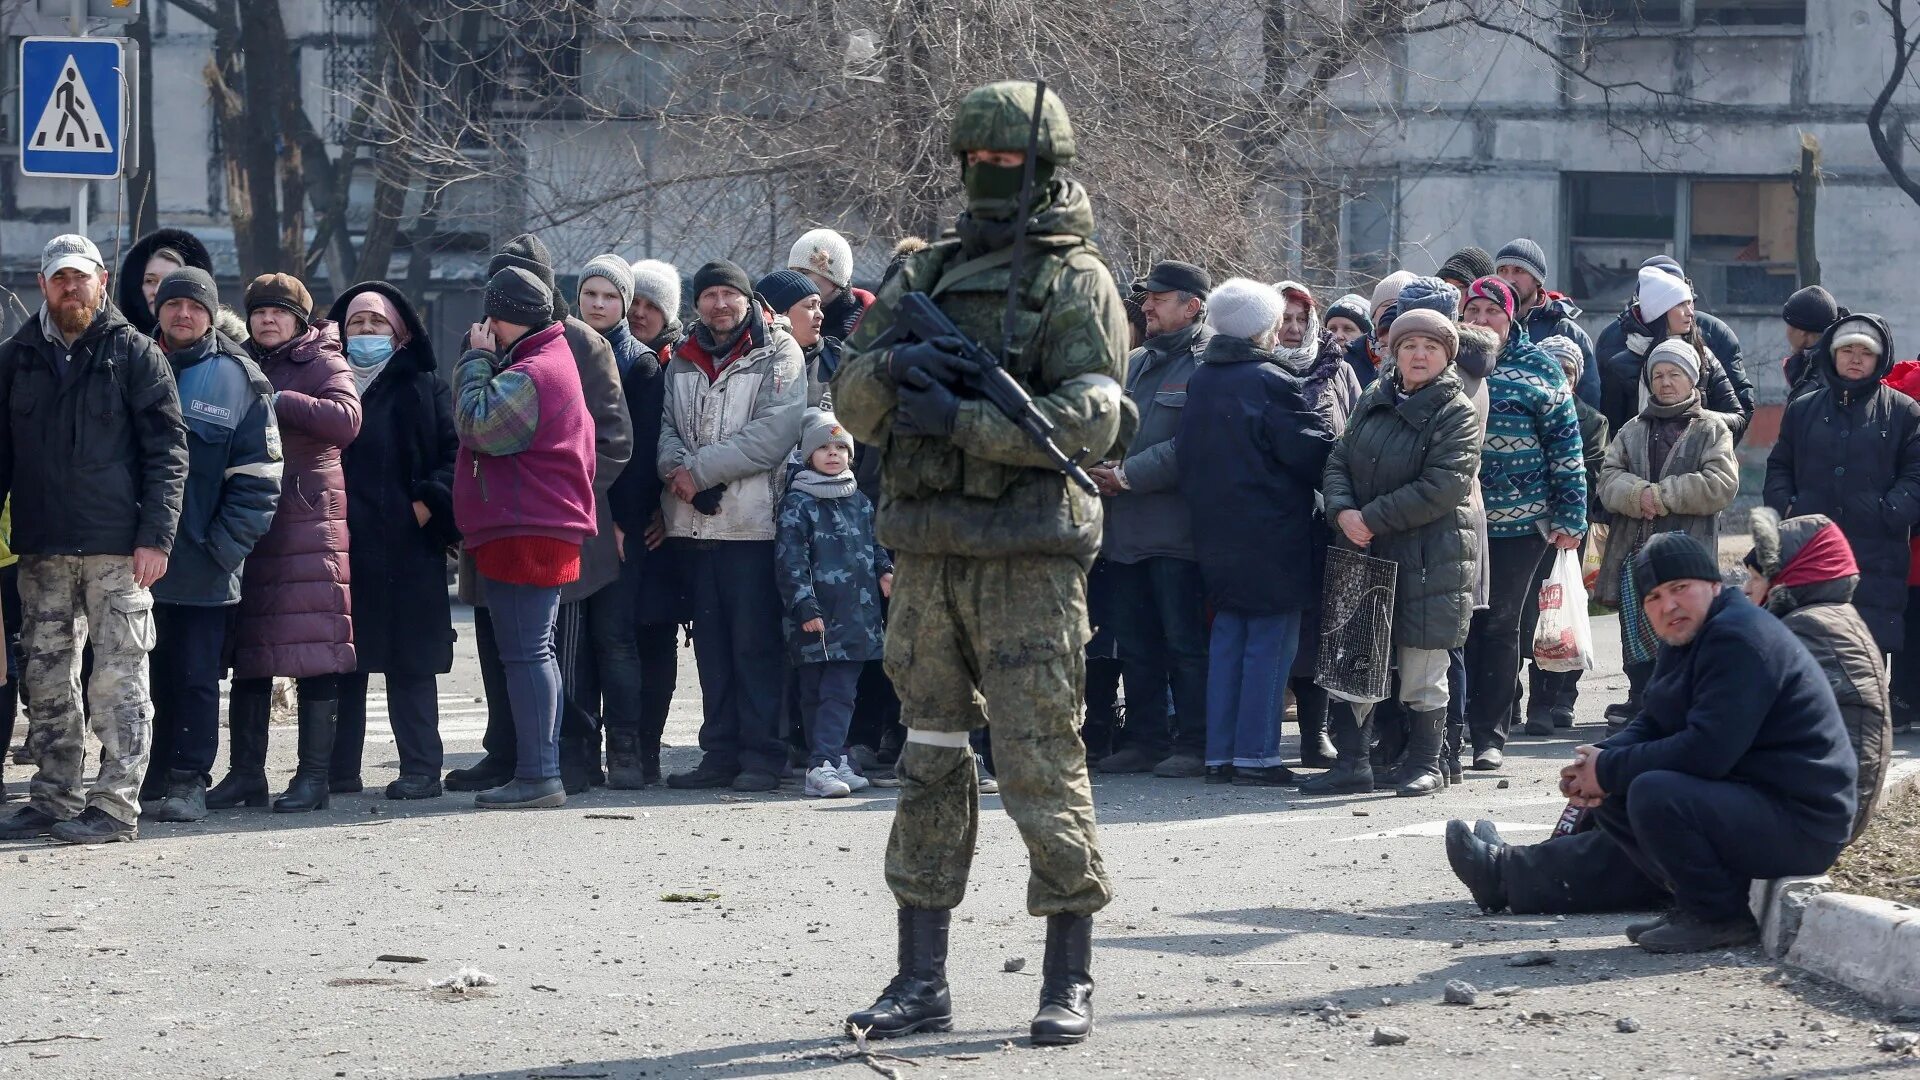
x: 1738, y: 766
x: 94, y: 455
x: 992, y: 545
x: 1523, y: 265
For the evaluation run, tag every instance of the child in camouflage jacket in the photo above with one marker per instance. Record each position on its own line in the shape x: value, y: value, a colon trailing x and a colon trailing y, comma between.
x: 832, y: 576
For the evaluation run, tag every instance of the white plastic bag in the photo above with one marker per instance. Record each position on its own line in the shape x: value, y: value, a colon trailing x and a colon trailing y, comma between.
x: 1563, y: 638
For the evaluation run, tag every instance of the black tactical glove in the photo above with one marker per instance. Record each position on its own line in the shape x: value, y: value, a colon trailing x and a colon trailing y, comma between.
x: 708, y: 501
x: 926, y: 407
x: 940, y: 358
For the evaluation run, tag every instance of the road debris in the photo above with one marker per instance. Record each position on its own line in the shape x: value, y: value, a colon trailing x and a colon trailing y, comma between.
x: 1461, y: 992
x: 1390, y: 1036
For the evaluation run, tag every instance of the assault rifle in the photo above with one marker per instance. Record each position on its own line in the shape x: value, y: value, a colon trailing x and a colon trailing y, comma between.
x: 919, y: 319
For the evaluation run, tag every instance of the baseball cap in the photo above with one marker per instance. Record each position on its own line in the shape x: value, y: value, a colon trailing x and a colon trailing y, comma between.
x: 70, y: 250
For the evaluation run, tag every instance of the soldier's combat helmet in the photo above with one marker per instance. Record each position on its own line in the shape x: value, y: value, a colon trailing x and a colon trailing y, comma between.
x: 998, y: 116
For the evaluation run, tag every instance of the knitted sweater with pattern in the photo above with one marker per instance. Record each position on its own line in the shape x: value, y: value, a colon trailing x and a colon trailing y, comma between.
x: 1531, y: 467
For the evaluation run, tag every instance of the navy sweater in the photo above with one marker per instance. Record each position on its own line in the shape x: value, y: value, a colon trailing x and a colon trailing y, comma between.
x: 1744, y: 702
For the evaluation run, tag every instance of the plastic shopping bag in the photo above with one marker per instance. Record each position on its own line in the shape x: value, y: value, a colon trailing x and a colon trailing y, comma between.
x: 1563, y: 638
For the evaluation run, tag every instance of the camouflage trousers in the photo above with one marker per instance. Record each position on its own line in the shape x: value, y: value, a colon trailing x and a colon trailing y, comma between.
x: 66, y: 602
x: 1000, y: 641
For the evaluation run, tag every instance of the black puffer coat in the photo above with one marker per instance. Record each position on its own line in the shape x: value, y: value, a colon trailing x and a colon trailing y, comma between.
x: 1621, y: 381
x: 402, y: 622
x: 128, y: 295
x: 1851, y: 450
x: 1719, y: 338
x: 1408, y: 465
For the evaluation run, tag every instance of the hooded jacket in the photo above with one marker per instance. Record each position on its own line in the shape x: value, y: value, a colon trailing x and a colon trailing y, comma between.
x: 295, y: 598
x: 233, y: 472
x: 731, y: 421
x: 1149, y: 518
x: 1820, y: 612
x: 1251, y: 454
x: 1744, y: 702
x: 1851, y: 450
x: 844, y: 313
x: 132, y: 299
x: 402, y: 622
x: 828, y: 567
x: 1407, y: 463
x: 92, y: 448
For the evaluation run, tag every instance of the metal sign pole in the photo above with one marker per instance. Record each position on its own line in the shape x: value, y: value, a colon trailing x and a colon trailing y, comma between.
x: 77, y: 26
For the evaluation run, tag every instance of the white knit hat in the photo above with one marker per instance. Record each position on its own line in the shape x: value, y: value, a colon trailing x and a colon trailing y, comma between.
x: 826, y: 253
x: 1244, y: 308
x: 658, y: 282
x: 1857, y: 331
x: 1660, y: 292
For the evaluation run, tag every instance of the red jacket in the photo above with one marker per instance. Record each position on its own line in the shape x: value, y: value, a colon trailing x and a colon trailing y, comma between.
x: 1905, y: 377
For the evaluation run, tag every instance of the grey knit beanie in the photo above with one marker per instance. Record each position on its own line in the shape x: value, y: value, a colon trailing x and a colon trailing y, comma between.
x: 659, y: 283
x: 617, y: 272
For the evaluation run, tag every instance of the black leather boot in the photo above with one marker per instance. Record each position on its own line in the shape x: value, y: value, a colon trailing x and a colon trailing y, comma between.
x: 308, y: 791
x: 246, y: 781
x: 916, y: 999
x: 1352, y: 774
x: 624, y: 771
x: 1066, y: 983
x: 576, y: 772
x: 349, y: 741
x: 1421, y: 775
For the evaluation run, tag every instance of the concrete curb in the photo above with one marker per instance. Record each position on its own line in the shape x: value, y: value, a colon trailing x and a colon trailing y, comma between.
x: 1868, y: 945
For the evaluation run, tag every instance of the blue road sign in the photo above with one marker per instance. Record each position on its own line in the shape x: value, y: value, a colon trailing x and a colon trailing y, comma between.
x: 73, y: 107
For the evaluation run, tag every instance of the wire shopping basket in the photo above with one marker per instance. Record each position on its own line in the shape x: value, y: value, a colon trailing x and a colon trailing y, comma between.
x: 1356, y: 626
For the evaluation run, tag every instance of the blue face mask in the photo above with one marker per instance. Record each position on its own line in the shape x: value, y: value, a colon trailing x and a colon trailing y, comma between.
x: 369, y: 350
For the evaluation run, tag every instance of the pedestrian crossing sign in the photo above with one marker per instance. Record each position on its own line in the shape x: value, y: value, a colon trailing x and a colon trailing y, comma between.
x: 73, y: 100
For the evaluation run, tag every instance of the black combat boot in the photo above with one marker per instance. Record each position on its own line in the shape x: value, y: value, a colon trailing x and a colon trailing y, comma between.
x: 308, y: 791
x: 916, y: 999
x: 93, y: 826
x: 183, y: 798
x: 246, y: 780
x: 1352, y: 773
x: 1066, y: 983
x: 1422, y: 775
x: 625, y: 770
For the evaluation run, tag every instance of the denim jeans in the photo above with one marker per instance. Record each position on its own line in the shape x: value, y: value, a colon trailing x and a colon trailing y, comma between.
x: 1160, y: 619
x: 826, y: 706
x: 185, y: 668
x: 1247, y: 680
x: 522, y: 618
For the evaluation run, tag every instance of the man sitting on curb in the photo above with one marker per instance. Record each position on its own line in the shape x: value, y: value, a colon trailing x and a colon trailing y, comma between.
x: 1802, y: 570
x: 1738, y: 766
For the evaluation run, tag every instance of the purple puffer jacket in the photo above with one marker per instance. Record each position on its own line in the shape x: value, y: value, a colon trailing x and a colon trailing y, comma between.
x: 295, y: 616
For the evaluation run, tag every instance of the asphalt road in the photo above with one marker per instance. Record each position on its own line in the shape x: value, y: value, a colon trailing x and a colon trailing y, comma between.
x: 250, y: 945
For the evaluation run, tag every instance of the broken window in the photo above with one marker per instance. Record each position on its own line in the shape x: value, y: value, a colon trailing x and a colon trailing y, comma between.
x: 1737, y: 238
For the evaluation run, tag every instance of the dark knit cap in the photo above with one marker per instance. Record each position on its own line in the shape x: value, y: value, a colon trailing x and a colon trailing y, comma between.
x: 721, y: 272
x: 784, y: 288
x: 1170, y: 275
x: 1812, y: 309
x: 278, y: 290
x: 1353, y: 308
x: 515, y: 295
x: 1466, y: 265
x: 1526, y: 255
x: 528, y: 253
x: 188, y: 283
x: 1672, y: 556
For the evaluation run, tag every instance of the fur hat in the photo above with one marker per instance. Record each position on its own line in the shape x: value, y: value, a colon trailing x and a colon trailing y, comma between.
x: 820, y: 428
x: 1426, y: 323
x: 1244, y: 308
x: 616, y: 271
x: 826, y: 253
x: 659, y: 283
x: 1853, y: 330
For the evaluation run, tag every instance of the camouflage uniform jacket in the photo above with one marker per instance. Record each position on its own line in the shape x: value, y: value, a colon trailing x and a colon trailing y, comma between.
x: 828, y: 567
x: 986, y: 491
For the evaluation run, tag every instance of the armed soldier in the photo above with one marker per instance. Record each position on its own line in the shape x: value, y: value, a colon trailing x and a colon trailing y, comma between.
x: 992, y: 544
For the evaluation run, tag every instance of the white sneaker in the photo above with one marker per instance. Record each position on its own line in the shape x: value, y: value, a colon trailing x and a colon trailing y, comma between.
x: 988, y: 785
x: 823, y: 782
x: 853, y: 780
